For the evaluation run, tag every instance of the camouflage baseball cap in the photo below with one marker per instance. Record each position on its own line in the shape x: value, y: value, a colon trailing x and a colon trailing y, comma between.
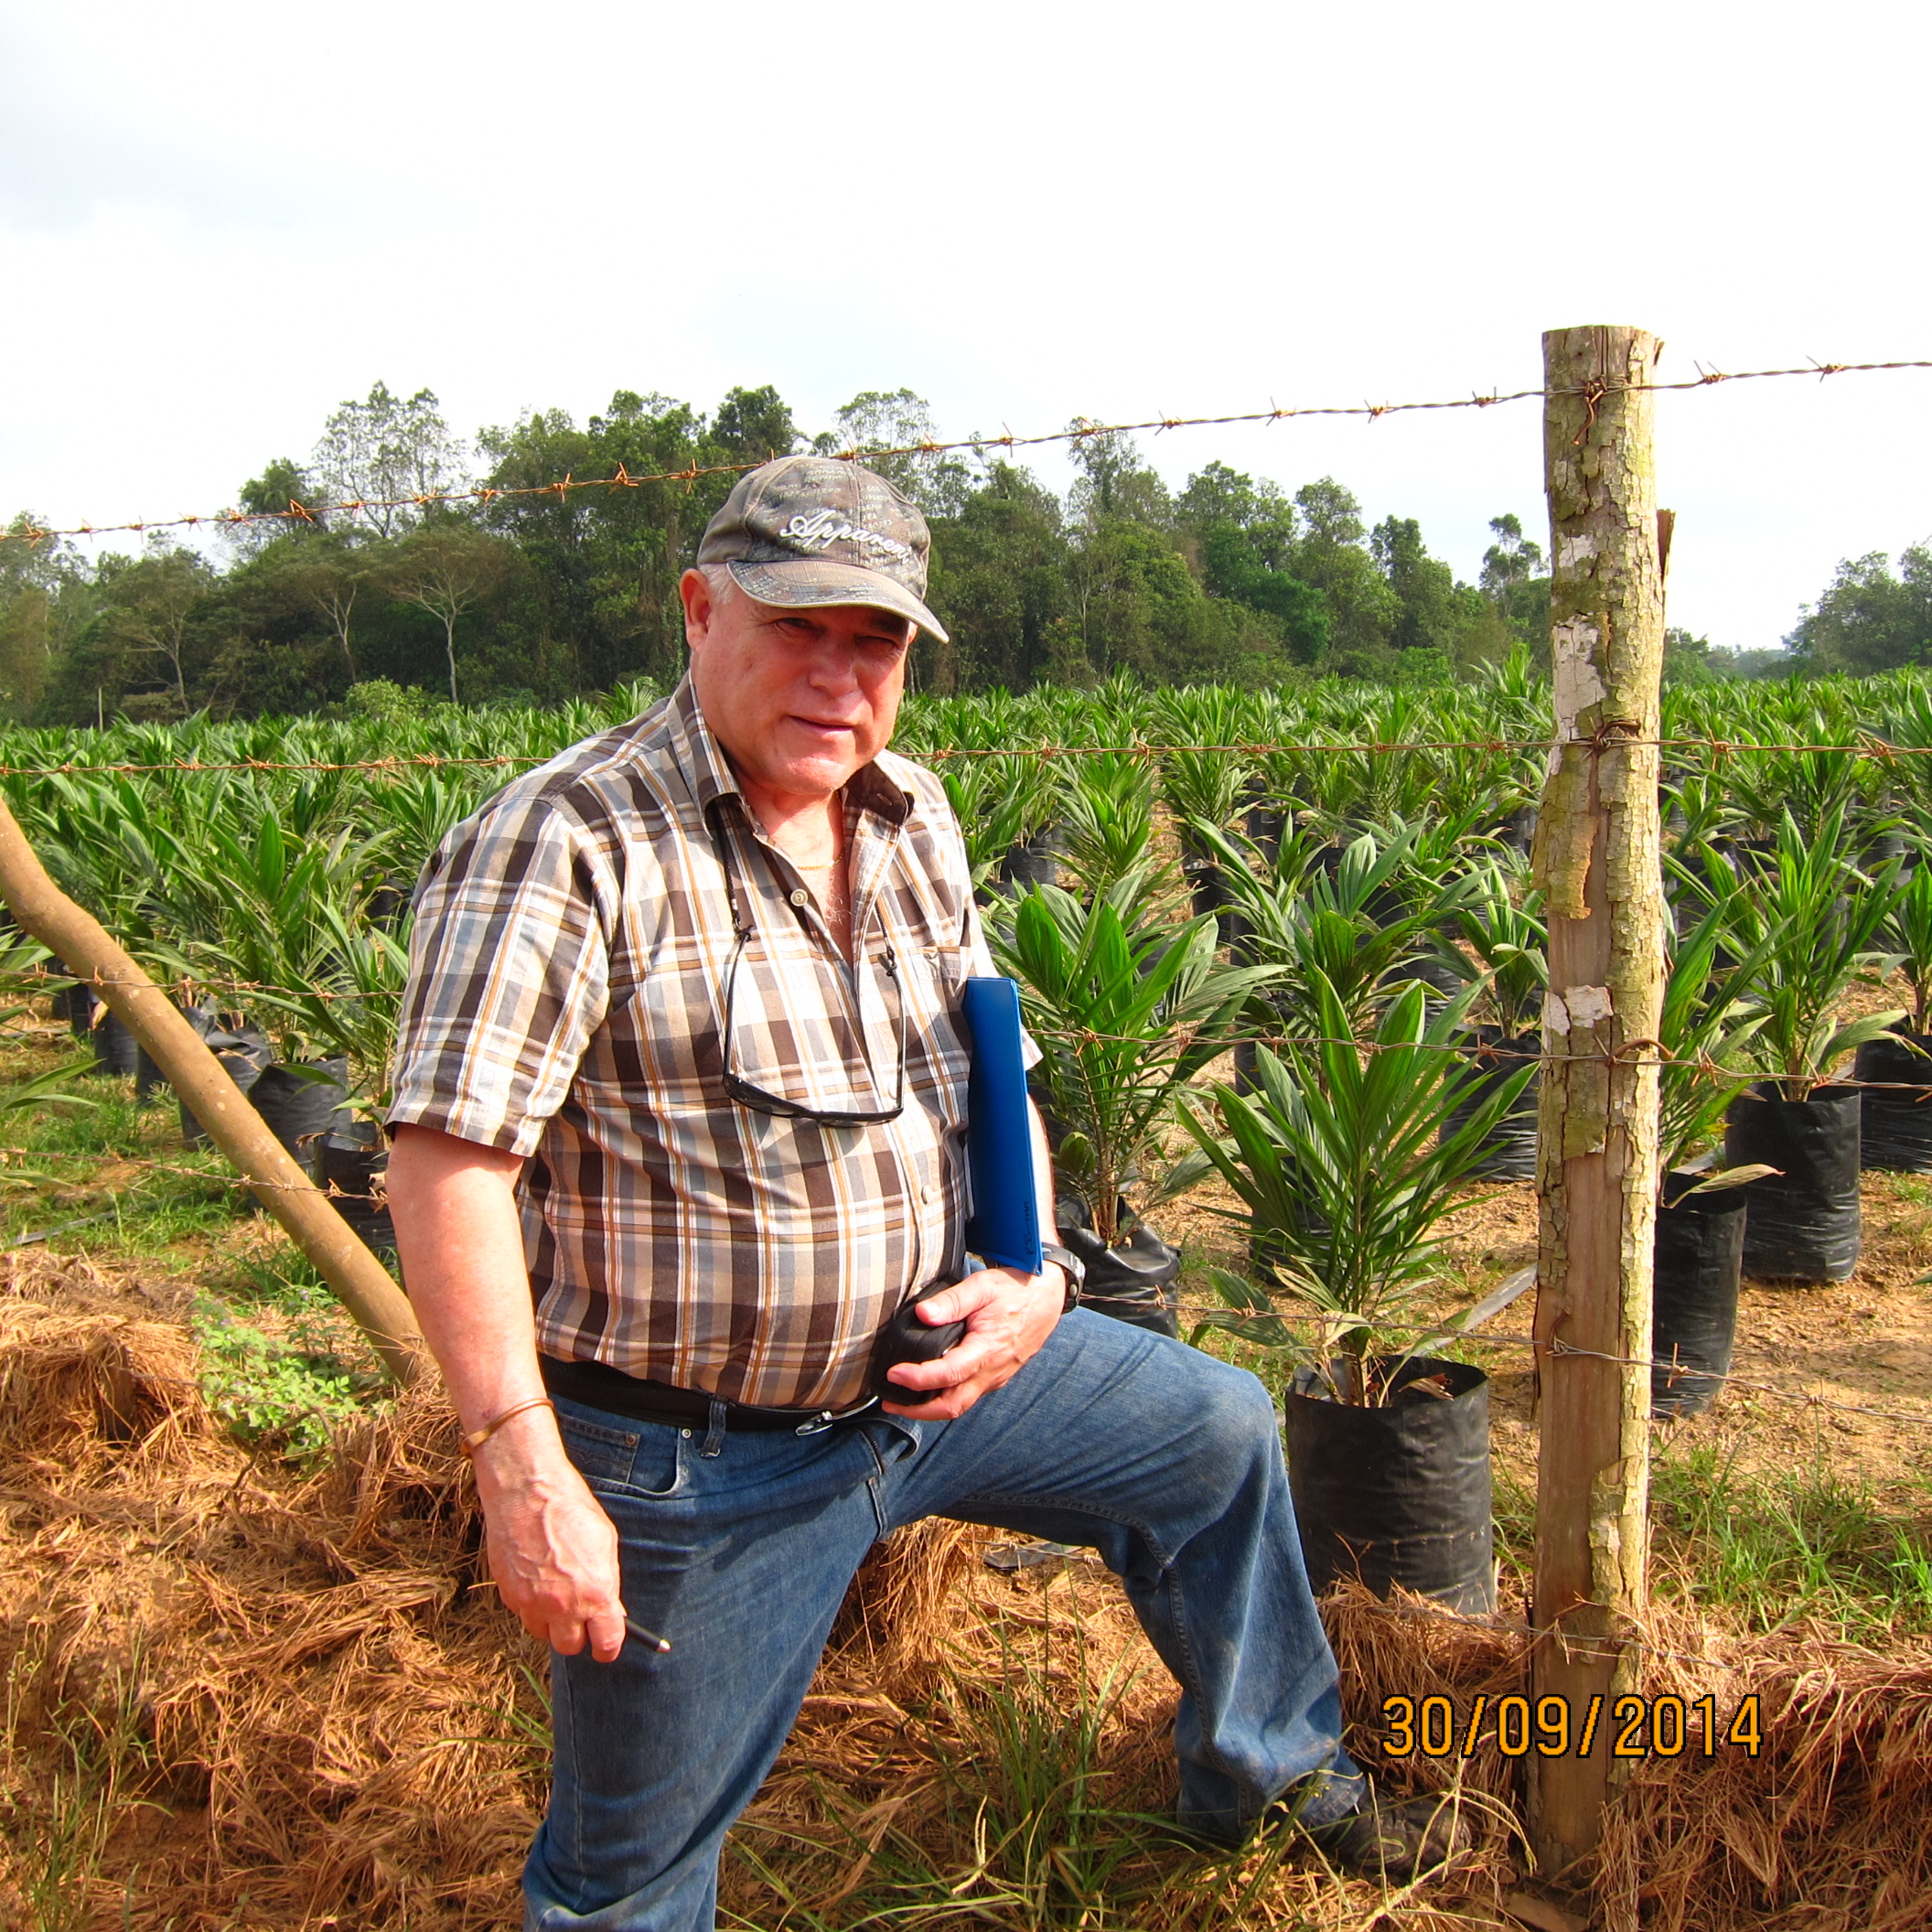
x: 810, y: 531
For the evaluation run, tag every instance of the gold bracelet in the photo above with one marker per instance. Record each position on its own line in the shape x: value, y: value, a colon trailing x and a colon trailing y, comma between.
x: 472, y: 1442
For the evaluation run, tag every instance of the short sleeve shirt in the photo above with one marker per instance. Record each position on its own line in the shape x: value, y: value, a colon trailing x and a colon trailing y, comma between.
x: 569, y: 965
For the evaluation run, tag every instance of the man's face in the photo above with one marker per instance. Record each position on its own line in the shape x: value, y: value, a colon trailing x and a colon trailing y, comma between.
x: 801, y: 699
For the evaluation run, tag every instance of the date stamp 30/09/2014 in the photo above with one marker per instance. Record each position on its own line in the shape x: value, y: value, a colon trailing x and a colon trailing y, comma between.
x: 1632, y: 1726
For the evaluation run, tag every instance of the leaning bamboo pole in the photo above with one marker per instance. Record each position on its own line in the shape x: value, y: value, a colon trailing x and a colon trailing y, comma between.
x: 90, y: 952
x: 1596, y: 855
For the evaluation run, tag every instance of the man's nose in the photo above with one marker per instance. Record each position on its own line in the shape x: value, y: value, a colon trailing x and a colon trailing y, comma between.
x: 834, y: 668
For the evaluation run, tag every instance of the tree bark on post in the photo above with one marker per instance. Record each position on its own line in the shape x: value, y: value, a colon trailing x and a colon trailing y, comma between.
x: 1596, y: 855
x: 88, y: 952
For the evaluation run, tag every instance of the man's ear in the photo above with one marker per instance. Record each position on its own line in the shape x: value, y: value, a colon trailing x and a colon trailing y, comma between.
x: 699, y: 607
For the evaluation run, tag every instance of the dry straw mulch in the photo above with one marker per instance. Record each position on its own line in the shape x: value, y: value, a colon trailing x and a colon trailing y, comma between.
x: 290, y: 1705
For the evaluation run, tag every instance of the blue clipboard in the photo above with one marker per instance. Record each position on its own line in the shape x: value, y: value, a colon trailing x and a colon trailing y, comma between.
x: 1003, y: 1227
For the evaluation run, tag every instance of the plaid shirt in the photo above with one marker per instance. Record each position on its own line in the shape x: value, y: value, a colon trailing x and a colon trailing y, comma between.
x: 566, y: 1002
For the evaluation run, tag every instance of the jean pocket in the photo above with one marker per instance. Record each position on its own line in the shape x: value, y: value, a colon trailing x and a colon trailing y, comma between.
x: 644, y: 1459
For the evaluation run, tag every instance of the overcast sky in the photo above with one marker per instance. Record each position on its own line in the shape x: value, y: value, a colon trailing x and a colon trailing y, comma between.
x: 216, y: 223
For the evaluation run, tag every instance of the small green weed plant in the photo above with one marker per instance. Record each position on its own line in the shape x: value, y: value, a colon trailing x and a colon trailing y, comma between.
x: 288, y: 1393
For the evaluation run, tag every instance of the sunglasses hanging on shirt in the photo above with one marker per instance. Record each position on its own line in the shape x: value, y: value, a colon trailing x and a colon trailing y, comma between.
x: 747, y: 1092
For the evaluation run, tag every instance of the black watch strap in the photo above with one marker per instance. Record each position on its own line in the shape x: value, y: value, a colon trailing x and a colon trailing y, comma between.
x: 1071, y: 1265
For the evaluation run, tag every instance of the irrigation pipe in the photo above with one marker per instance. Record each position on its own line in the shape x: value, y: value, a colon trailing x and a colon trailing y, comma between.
x: 360, y: 1283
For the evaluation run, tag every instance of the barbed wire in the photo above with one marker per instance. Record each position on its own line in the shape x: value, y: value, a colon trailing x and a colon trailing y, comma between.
x: 1228, y: 1312
x: 1416, y: 1609
x: 18, y: 1163
x: 1635, y: 1054
x: 1081, y: 430
x: 1498, y: 1623
x: 186, y: 985
x: 1482, y: 1337
x: 424, y: 761
x: 1151, y: 750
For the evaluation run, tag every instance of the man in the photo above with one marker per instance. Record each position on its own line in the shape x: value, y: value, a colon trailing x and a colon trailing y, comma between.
x: 678, y: 1129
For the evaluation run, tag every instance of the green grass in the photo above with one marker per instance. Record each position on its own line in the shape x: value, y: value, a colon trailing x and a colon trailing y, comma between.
x: 1772, y: 1545
x: 1033, y: 1837
x: 283, y: 1367
x: 52, y: 1173
x: 1777, y: 1546
x: 57, y: 1823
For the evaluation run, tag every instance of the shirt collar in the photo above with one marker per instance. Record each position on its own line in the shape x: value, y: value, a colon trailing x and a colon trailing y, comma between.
x: 702, y: 759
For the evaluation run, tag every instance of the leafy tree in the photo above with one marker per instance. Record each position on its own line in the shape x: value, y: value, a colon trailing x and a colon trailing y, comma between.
x: 1331, y: 516
x: 45, y: 597
x: 1233, y: 569
x: 152, y: 603
x: 1433, y: 611
x: 383, y: 449
x: 1220, y: 494
x: 272, y: 496
x: 1516, y: 581
x: 752, y: 425
x: 324, y: 573
x: 446, y: 568
x: 999, y: 584
x: 1328, y: 554
x: 597, y: 601
x: 1511, y: 559
x: 1137, y: 608
x: 938, y: 481
x: 1113, y: 484
x: 1244, y: 534
x: 1869, y: 619
x: 1686, y: 659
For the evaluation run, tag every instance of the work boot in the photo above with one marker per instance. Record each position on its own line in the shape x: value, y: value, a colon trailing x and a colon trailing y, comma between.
x: 1392, y: 1838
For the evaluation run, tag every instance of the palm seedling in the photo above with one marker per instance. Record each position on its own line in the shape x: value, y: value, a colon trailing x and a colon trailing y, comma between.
x: 1698, y: 811
x: 1814, y: 925
x: 1206, y: 784
x: 351, y: 1014
x: 1108, y: 813
x: 1344, y: 1163
x: 1125, y: 1013
x: 1895, y: 1070
x: 999, y: 802
x: 1908, y: 936
x: 1351, y: 931
x: 1706, y: 1026
x: 1492, y: 937
x: 262, y: 921
x: 1209, y: 783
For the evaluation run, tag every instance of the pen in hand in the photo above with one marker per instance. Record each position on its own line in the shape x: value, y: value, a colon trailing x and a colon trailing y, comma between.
x: 647, y: 1637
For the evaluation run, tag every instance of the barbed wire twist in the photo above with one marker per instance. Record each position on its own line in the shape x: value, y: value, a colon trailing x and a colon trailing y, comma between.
x: 1879, y: 750
x: 1081, y: 430
x: 1229, y: 1314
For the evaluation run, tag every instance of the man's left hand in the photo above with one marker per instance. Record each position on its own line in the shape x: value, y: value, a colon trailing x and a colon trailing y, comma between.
x: 1008, y: 1317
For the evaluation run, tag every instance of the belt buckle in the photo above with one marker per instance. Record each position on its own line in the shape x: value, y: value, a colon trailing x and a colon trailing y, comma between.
x: 826, y: 1418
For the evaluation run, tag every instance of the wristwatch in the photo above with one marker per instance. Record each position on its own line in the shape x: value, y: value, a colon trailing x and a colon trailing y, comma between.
x: 1071, y: 1266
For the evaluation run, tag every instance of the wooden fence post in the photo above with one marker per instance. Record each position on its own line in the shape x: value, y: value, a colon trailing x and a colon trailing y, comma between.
x: 1596, y: 855
x: 84, y: 946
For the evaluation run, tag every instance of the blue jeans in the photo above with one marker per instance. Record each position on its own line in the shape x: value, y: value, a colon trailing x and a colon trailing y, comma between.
x: 738, y: 1547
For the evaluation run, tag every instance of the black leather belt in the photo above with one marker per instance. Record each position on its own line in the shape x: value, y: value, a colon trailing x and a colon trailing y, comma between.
x: 599, y: 1386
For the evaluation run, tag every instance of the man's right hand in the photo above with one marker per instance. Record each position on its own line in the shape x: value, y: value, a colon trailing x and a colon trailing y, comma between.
x: 553, y: 1549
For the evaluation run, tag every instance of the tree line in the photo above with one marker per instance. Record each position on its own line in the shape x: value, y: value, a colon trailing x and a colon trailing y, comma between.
x: 509, y: 598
